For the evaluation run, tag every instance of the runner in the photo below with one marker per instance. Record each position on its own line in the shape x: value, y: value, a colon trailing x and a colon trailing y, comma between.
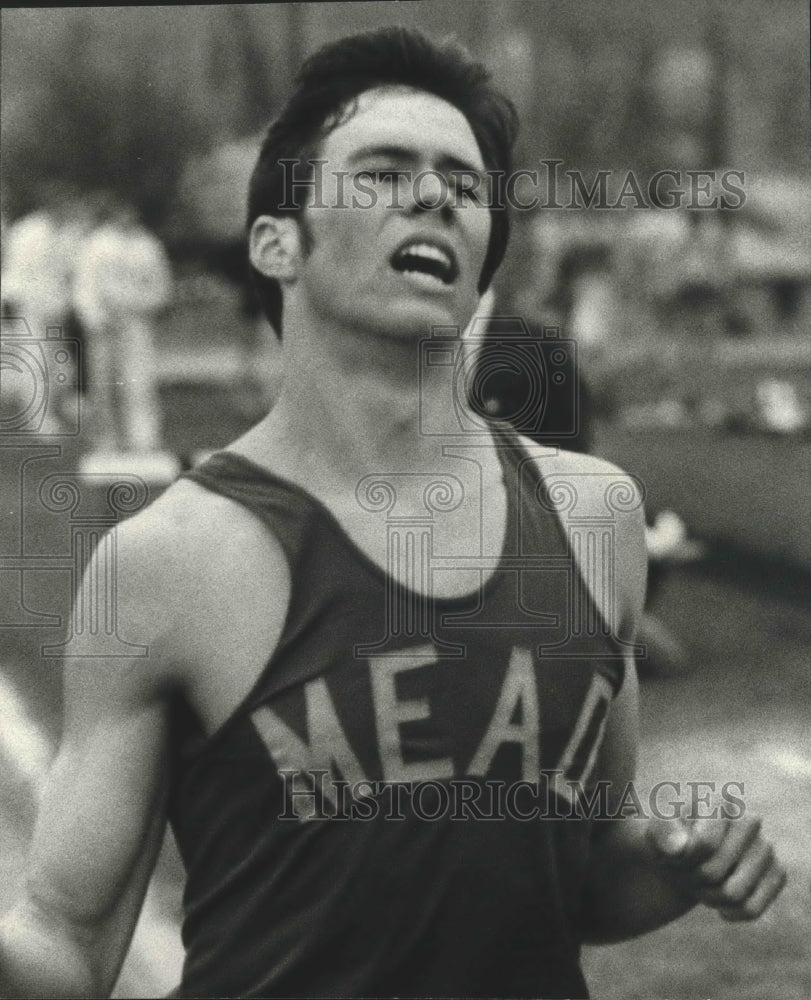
x: 365, y: 695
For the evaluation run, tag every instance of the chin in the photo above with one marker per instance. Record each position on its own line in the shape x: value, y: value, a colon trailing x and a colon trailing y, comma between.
x: 417, y: 320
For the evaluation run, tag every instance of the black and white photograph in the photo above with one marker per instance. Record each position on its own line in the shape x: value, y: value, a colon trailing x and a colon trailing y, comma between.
x: 405, y: 534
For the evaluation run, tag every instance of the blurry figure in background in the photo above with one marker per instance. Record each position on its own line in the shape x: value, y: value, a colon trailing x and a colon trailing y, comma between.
x: 583, y: 302
x: 4, y: 223
x: 39, y: 257
x: 584, y: 294
x: 695, y: 303
x: 39, y: 251
x: 123, y: 278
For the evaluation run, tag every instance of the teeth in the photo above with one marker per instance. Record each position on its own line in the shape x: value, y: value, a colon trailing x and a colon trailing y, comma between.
x: 427, y: 250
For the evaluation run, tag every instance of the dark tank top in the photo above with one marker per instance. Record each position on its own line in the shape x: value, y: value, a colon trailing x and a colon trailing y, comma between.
x: 381, y: 815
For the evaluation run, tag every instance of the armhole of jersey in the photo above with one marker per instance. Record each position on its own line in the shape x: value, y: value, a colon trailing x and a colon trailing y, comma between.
x: 576, y: 463
x: 186, y: 716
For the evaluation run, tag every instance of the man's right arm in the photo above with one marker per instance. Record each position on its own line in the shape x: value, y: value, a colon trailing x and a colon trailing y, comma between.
x: 102, y: 811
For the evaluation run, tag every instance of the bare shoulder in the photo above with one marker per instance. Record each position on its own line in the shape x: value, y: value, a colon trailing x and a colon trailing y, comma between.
x: 586, y: 488
x: 190, y: 528
x: 190, y: 568
x: 552, y: 460
x: 596, y: 483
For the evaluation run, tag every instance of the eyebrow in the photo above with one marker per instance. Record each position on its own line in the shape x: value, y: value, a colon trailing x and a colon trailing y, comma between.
x: 402, y: 153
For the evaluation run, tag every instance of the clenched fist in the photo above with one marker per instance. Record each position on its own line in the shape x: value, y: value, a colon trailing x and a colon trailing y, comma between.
x: 725, y: 863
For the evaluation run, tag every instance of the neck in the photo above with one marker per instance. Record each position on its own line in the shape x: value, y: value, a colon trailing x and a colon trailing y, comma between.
x: 352, y: 404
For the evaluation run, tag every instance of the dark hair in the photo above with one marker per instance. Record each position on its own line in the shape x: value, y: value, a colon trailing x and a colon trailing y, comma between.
x: 337, y: 74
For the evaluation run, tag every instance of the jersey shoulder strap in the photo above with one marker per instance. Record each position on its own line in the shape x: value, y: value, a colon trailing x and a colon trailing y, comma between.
x: 601, y: 510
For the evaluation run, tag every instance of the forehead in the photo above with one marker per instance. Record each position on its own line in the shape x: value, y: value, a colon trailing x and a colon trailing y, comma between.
x: 403, y: 117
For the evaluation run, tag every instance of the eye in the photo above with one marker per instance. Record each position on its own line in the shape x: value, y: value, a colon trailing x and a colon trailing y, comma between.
x: 382, y: 175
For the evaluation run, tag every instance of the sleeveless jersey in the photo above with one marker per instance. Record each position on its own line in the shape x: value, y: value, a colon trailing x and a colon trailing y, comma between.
x: 381, y: 815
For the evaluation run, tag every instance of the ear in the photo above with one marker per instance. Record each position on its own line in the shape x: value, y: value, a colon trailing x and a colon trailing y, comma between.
x: 275, y: 247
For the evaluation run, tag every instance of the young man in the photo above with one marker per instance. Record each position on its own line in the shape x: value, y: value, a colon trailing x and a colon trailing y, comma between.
x: 359, y: 611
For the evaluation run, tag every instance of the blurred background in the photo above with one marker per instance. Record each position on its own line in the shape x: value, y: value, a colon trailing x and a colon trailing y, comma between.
x: 128, y: 135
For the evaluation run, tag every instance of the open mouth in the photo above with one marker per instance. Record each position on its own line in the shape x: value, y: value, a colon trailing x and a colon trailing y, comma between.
x: 422, y: 260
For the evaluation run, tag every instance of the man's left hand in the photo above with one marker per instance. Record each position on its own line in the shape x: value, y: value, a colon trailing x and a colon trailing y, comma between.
x: 726, y: 864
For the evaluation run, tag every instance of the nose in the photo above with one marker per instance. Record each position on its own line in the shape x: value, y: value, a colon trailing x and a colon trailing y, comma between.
x: 431, y: 193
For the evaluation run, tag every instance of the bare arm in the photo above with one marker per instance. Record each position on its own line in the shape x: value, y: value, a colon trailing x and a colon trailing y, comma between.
x: 101, y: 818
x: 184, y: 565
x: 646, y: 872
x: 628, y: 891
